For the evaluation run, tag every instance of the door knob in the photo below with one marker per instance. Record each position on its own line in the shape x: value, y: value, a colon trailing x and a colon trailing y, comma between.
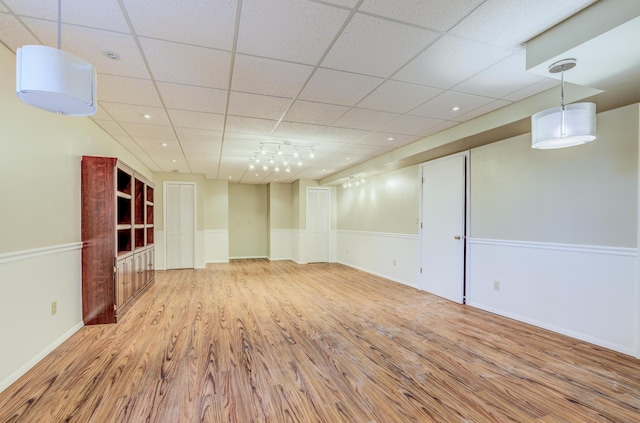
x: 456, y: 237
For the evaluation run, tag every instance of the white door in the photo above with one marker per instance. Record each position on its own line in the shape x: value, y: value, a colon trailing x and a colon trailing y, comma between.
x: 443, y: 227
x: 318, y: 224
x: 180, y: 225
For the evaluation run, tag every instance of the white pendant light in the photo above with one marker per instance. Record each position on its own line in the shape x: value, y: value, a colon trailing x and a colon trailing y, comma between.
x: 54, y: 80
x: 567, y: 125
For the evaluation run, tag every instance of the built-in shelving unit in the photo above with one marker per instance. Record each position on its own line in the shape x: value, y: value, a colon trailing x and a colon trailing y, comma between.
x: 117, y: 234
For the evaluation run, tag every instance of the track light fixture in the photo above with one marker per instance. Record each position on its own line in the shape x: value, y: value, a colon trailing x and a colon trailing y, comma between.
x: 280, y: 155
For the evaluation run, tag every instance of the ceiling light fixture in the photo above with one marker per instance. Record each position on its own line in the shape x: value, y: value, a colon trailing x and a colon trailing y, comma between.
x: 279, y: 155
x: 54, y: 80
x: 112, y: 55
x: 455, y: 108
x: 567, y: 125
x: 353, y: 181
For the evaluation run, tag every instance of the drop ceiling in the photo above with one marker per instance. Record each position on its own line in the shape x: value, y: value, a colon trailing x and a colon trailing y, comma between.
x: 199, y: 85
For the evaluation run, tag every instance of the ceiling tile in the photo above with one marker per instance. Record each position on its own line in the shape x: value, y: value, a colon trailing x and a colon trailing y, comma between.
x: 510, y: 23
x: 533, y: 89
x: 395, y: 44
x: 439, y: 128
x: 369, y: 120
x: 198, y: 120
x: 203, y: 23
x: 345, y: 3
x: 449, y: 61
x: 335, y: 87
x: 294, y: 130
x: 139, y: 152
x: 89, y: 13
x: 441, y: 106
x: 91, y: 45
x: 13, y: 34
x: 183, y: 64
x: 101, y: 114
x: 159, y: 148
x: 135, y: 114
x: 398, y: 97
x: 119, y: 89
x: 207, y: 150
x: 148, y: 131
x: 186, y: 97
x: 315, y: 113
x: 385, y: 139
x: 255, y: 105
x: 483, y: 110
x: 270, y: 77
x: 504, y: 78
x: 297, y: 31
x: 198, y: 135
x: 411, y: 125
x: 112, y: 128
x: 436, y: 14
x: 250, y: 125
x: 341, y: 135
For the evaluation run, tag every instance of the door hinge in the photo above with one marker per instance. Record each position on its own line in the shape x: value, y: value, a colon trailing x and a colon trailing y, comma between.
x: 420, y: 225
x: 423, y: 179
x: 421, y: 270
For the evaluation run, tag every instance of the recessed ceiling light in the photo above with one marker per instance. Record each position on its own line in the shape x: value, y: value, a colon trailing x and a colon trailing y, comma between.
x: 256, y: 174
x: 112, y: 55
x: 229, y: 177
x: 173, y: 161
x: 455, y: 108
x: 146, y: 116
x: 164, y: 144
x: 324, y: 170
x: 390, y: 139
x: 348, y: 158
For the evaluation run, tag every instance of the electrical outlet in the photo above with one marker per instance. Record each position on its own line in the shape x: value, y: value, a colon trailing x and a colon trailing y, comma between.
x: 54, y: 308
x: 496, y: 285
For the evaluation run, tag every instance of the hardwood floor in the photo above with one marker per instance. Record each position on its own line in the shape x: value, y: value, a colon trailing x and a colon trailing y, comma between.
x: 254, y: 341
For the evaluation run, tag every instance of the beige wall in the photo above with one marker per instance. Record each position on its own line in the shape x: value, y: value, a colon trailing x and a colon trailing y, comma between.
x: 248, y: 222
x: 216, y: 207
x: 579, y: 195
x: 160, y: 178
x: 384, y: 203
x: 40, y: 155
x: 280, y: 212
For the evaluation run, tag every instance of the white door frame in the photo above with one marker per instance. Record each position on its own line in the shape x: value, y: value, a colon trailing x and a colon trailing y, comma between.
x: 467, y: 212
x: 195, y: 216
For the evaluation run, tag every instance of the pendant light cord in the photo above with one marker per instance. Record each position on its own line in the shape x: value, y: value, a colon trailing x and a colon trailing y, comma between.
x: 59, y: 22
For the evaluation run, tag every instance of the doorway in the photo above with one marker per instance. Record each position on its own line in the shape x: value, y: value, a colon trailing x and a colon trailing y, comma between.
x: 179, y: 212
x: 444, y: 226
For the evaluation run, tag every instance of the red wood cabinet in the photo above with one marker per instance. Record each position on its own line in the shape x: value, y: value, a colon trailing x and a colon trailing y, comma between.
x: 117, y: 236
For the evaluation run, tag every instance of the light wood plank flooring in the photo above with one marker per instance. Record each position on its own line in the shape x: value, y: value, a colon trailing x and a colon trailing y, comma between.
x: 254, y: 341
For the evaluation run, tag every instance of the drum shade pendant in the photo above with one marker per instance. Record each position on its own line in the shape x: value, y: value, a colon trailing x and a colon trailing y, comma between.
x: 54, y: 80
x: 567, y: 125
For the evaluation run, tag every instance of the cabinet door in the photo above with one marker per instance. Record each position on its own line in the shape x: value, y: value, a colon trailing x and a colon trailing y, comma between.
x: 151, y: 273
x: 124, y: 290
x: 137, y: 273
x: 121, y: 278
x: 128, y: 288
